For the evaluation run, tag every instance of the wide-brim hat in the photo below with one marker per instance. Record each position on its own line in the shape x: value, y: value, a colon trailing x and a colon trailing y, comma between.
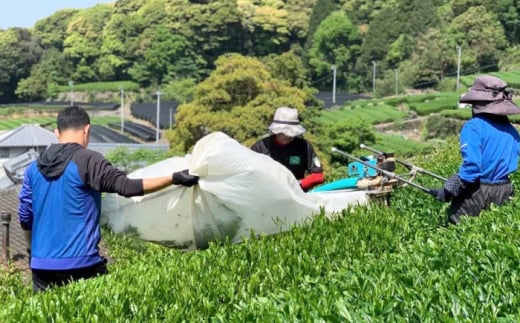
x: 501, y: 108
x: 286, y: 121
x: 489, y: 94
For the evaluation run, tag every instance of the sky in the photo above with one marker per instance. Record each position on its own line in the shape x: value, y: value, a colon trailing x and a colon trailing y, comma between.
x: 25, y: 13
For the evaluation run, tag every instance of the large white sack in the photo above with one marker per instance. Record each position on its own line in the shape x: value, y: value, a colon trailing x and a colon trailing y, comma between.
x: 239, y: 192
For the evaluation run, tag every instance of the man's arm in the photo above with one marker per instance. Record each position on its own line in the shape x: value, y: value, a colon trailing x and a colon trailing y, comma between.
x: 102, y: 176
x: 314, y: 169
x: 471, y: 166
x: 25, y: 213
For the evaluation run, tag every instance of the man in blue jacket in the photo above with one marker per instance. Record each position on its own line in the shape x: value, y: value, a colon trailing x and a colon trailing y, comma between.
x: 489, y: 146
x: 60, y: 203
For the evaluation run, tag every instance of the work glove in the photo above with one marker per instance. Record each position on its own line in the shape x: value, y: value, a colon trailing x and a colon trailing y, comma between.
x: 440, y: 194
x: 455, y: 186
x: 184, y: 178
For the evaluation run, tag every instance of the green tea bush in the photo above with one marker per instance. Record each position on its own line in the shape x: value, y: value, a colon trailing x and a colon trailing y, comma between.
x: 436, y: 104
x: 376, y: 263
x: 370, y: 114
x: 101, y: 86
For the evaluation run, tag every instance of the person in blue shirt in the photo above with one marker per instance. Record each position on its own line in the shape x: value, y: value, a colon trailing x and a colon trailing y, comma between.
x: 489, y: 145
x: 60, y: 203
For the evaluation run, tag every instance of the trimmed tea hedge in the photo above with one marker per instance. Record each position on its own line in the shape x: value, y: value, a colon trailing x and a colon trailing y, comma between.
x: 397, y: 263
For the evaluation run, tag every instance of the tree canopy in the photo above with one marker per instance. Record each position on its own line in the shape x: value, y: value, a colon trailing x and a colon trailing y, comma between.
x: 161, y: 41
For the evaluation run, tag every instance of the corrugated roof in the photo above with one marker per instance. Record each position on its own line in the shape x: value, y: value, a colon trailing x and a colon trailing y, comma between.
x: 28, y: 136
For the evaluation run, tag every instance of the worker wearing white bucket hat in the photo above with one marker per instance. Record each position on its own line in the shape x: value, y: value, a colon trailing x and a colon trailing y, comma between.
x: 489, y: 146
x: 286, y: 146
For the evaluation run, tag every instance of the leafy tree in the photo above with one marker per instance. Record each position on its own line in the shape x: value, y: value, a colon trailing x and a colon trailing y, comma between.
x: 168, y: 57
x: 506, y: 11
x: 384, y: 30
x: 181, y: 90
x: 298, y: 16
x: 122, y: 39
x: 440, y: 127
x: 321, y: 10
x: 393, y: 29
x: 265, y: 26
x: 288, y: 67
x: 364, y: 11
x: 432, y: 58
x: 336, y: 42
x: 481, y: 37
x: 84, y: 39
x: 18, y: 52
x: 213, y: 28
x: 46, y: 74
x: 52, y: 31
x: 238, y: 98
x: 345, y: 135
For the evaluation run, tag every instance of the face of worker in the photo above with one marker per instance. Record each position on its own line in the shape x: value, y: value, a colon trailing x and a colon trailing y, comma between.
x: 283, y: 139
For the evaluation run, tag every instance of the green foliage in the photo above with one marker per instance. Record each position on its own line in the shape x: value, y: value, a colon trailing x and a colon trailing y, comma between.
x: 18, y: 53
x: 462, y: 114
x: 401, y: 146
x: 288, y: 67
x: 83, y: 41
x: 112, y: 86
x: 335, y: 42
x: 435, y: 104
x: 181, y: 90
x: 47, y: 72
x: 441, y: 127
x: 130, y: 160
x: 481, y: 37
x: 52, y: 30
x: 363, y: 12
x: 212, y: 29
x: 166, y: 58
x: 321, y: 10
x: 239, y: 98
x: 376, y: 263
x: 368, y: 113
x: 346, y: 135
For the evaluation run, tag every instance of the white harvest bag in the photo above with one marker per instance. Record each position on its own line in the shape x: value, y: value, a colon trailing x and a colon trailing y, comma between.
x: 240, y: 192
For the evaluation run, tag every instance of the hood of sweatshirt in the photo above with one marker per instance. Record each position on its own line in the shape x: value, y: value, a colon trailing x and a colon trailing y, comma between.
x: 53, y: 161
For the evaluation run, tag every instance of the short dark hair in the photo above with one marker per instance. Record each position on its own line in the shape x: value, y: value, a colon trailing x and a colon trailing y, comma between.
x: 72, y: 118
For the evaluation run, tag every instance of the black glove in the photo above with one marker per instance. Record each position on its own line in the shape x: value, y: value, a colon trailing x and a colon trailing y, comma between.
x: 455, y: 186
x: 184, y: 178
x: 440, y: 194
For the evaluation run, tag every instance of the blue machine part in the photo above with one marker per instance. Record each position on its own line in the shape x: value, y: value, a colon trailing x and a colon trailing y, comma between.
x: 356, y: 171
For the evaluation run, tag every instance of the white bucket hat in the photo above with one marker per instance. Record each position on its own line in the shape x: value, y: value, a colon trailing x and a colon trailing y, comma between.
x: 286, y: 121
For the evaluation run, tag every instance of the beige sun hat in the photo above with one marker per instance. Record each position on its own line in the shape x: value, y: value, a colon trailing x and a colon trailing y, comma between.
x: 489, y: 94
x: 286, y: 121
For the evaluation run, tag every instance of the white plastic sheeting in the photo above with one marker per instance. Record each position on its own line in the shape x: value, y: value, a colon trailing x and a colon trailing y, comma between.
x: 240, y: 192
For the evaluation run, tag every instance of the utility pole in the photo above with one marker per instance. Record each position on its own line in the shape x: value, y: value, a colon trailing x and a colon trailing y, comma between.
x: 122, y: 90
x: 459, y: 49
x: 373, y: 78
x: 157, y: 119
x: 171, y: 116
x: 71, y: 84
x: 333, y: 67
x: 396, y: 81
